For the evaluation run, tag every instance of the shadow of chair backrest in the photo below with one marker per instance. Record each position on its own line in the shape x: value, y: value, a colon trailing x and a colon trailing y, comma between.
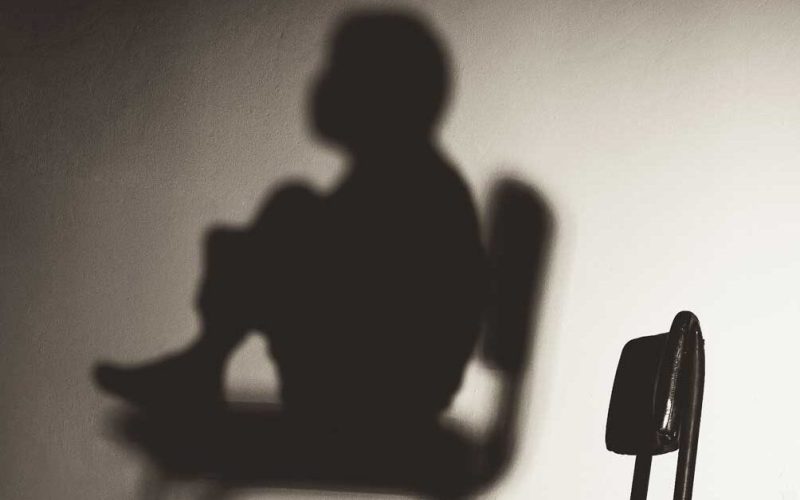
x: 257, y: 446
x: 521, y: 227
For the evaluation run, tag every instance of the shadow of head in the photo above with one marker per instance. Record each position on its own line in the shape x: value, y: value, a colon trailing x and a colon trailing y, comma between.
x: 385, y: 84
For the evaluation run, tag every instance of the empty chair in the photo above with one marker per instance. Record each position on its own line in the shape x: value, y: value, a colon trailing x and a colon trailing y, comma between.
x: 657, y: 400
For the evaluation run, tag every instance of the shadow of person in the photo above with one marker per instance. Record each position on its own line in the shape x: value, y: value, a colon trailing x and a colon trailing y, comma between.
x: 371, y: 297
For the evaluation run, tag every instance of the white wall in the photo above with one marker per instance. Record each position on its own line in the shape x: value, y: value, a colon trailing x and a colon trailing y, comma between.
x: 664, y: 136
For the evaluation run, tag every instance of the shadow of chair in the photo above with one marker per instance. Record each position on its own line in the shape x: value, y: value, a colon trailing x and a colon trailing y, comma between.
x: 258, y: 446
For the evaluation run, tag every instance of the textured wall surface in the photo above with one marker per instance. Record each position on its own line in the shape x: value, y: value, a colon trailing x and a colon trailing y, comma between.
x: 665, y: 137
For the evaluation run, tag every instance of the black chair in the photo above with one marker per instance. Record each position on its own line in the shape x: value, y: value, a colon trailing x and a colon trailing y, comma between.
x: 657, y: 400
x: 257, y: 445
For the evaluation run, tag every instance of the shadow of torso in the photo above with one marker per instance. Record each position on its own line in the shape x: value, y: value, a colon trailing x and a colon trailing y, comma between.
x: 375, y: 304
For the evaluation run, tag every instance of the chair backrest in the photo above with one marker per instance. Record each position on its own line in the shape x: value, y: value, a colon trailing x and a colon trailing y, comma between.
x: 656, y: 402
